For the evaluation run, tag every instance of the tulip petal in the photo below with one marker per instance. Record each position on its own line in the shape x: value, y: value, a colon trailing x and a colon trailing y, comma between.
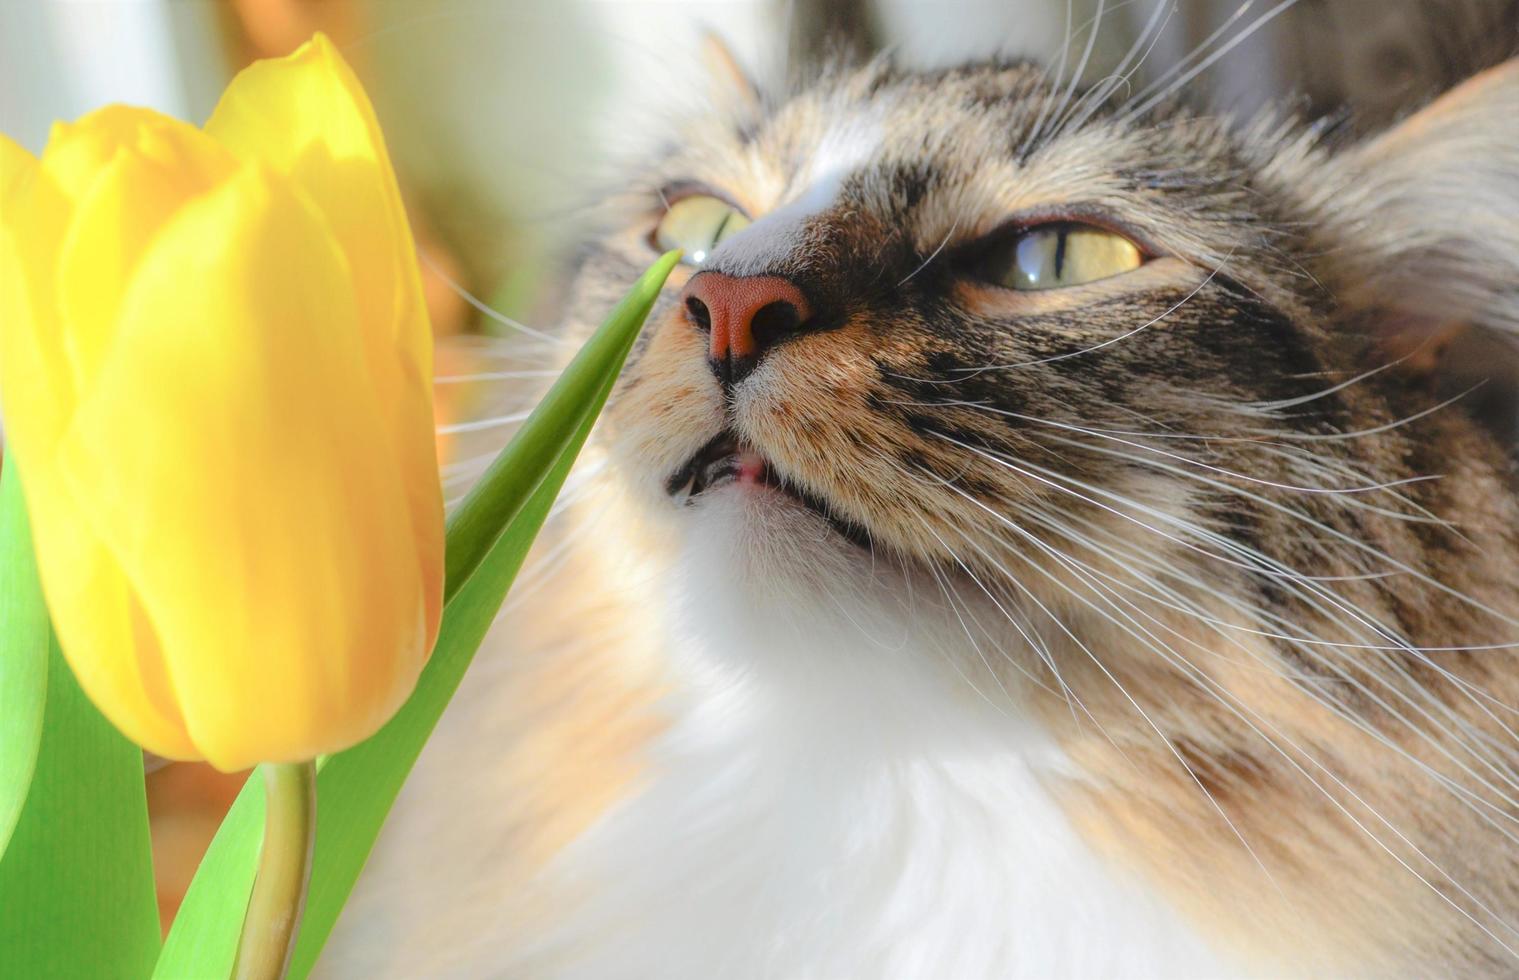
x: 16, y: 168
x: 104, y: 633
x: 77, y: 153
x: 307, y: 117
x: 39, y: 386
x: 39, y: 393
x: 34, y: 380
x: 237, y: 454
x: 157, y: 166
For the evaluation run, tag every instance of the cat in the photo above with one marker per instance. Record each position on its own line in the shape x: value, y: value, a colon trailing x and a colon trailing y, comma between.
x: 1041, y: 531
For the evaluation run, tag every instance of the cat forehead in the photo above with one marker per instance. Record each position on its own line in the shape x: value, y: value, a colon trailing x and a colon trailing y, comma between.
x: 878, y: 124
x: 875, y: 116
x: 941, y: 155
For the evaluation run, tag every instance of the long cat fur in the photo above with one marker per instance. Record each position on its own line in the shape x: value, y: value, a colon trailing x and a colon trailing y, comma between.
x: 1184, y: 643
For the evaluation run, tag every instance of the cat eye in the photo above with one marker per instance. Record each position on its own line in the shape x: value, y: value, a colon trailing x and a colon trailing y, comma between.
x: 696, y: 225
x: 1052, y: 256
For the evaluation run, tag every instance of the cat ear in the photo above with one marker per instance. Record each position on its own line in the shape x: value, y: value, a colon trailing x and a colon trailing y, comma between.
x: 1427, y: 216
x: 732, y: 89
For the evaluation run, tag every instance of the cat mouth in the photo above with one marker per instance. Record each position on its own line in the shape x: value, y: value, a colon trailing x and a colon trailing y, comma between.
x: 725, y: 460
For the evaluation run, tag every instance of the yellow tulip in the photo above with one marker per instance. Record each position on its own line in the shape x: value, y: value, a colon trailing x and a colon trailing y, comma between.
x: 215, y: 372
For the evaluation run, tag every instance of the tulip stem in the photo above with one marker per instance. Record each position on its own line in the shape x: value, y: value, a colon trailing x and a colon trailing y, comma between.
x: 284, y: 867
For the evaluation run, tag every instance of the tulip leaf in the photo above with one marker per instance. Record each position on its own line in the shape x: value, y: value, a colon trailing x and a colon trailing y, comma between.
x: 76, y: 881
x: 509, y: 482
x: 493, y: 529
x: 24, y: 637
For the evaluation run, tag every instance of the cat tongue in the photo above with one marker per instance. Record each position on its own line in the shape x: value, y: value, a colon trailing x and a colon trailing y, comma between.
x: 749, y: 466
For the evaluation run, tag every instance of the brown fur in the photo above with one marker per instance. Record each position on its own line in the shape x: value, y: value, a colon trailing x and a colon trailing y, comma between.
x: 1286, y: 758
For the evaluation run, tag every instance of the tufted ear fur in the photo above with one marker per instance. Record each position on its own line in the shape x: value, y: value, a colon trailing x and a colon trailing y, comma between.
x: 733, y: 91
x: 1425, y: 217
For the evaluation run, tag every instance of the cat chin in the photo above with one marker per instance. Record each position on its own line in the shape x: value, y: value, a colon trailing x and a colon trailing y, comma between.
x: 761, y: 577
x: 768, y: 597
x: 771, y: 547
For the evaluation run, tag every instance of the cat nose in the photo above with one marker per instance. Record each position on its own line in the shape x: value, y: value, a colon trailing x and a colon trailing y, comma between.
x: 745, y: 316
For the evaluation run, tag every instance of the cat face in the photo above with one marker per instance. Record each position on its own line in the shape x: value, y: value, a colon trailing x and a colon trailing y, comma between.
x: 1136, y: 391
x: 928, y: 404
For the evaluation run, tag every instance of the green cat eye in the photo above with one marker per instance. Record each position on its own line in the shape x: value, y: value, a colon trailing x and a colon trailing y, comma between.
x: 696, y: 224
x: 1056, y: 255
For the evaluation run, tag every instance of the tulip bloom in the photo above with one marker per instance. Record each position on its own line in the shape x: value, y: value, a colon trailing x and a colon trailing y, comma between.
x: 215, y: 375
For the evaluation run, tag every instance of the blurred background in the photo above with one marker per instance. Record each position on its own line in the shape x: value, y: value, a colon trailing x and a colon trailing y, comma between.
x: 506, y: 117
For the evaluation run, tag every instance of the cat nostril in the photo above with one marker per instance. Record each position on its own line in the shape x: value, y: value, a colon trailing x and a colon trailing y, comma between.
x: 742, y: 318
x: 773, y: 321
x: 698, y: 313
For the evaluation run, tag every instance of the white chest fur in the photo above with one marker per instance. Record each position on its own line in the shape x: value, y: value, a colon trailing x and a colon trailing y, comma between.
x: 831, y: 802
x: 798, y: 860
x: 833, y: 799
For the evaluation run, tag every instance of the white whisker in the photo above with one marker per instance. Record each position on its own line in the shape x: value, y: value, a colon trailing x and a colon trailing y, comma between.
x: 485, y: 309
x: 479, y: 425
x: 1207, y: 62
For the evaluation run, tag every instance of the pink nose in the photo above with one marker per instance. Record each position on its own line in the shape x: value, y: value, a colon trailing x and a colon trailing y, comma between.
x: 745, y: 316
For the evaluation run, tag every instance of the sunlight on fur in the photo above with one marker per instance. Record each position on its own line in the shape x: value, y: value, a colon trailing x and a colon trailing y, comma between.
x: 1156, y: 625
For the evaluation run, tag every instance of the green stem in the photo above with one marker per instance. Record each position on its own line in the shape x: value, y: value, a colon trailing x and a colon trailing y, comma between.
x: 284, y: 867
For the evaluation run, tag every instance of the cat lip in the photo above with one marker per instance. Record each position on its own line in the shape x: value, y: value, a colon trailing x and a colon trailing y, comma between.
x: 722, y: 460
x: 727, y: 459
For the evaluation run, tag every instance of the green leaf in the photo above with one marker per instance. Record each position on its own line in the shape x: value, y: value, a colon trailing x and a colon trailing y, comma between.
x: 356, y: 788
x: 24, y: 637
x: 76, y: 881
x: 485, y: 514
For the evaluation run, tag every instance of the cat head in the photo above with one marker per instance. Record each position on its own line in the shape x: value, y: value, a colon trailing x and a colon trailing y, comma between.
x: 1177, y: 417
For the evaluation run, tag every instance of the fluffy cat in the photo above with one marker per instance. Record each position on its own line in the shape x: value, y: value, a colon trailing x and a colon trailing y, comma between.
x: 1039, y: 533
